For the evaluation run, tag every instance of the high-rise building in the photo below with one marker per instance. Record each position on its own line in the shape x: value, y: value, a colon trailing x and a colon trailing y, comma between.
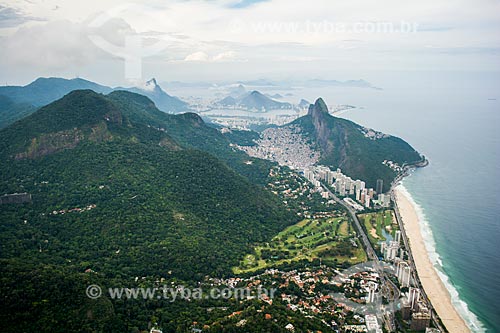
x: 380, y: 186
x: 406, y: 310
x: 420, y: 321
x: 414, y: 296
x: 342, y: 189
x: 403, y: 273
x: 330, y: 177
x: 402, y: 253
x: 391, y: 251
x: 386, y: 201
x: 398, y: 236
x: 372, y: 286
x: 406, y: 276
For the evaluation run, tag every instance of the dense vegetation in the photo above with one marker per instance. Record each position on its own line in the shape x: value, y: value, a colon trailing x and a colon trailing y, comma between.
x: 344, y: 145
x: 124, y: 195
x: 242, y: 138
x: 16, y: 102
x: 11, y: 111
x: 120, y: 190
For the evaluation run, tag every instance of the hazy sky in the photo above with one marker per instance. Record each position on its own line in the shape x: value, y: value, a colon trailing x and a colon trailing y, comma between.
x: 115, y: 42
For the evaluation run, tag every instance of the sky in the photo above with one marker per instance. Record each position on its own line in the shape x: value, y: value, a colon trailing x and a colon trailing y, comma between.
x: 117, y: 43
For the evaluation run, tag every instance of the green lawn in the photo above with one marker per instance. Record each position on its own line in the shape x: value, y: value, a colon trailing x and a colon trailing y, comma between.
x: 328, y: 239
x: 375, y: 222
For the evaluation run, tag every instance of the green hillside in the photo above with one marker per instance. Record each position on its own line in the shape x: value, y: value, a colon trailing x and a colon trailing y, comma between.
x: 115, y: 195
x: 343, y: 144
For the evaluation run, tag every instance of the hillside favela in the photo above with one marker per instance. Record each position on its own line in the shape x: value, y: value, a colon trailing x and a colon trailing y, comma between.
x: 249, y: 166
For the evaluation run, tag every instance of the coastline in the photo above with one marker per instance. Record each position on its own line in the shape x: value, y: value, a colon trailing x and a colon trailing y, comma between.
x: 432, y: 284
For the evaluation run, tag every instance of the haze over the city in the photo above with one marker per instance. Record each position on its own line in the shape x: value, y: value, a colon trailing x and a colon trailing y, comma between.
x: 244, y: 39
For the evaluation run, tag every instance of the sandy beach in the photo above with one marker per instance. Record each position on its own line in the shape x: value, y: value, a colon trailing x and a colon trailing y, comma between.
x: 432, y: 284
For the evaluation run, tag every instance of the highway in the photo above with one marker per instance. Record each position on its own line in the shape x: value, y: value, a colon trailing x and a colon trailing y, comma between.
x: 370, y: 252
x: 393, y: 292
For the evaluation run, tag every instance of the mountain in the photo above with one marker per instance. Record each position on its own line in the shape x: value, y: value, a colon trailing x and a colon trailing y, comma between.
x: 26, y: 99
x: 258, y: 83
x: 336, y: 83
x: 254, y: 101
x: 11, y: 111
x: 45, y: 90
x: 120, y: 190
x: 358, y: 151
x: 304, y: 103
x: 237, y: 91
x: 275, y: 96
x: 17, y: 102
x: 163, y: 101
x: 258, y: 101
x: 228, y: 101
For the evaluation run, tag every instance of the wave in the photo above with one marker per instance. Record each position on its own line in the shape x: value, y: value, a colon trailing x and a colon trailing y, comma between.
x: 474, y: 324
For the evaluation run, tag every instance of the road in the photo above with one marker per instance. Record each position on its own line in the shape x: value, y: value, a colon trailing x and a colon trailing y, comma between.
x: 393, y: 291
x: 370, y: 252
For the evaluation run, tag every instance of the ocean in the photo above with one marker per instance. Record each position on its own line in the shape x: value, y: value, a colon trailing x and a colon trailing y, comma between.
x: 453, y: 119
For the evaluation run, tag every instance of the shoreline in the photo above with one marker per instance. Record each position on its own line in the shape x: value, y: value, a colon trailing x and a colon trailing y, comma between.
x: 432, y: 284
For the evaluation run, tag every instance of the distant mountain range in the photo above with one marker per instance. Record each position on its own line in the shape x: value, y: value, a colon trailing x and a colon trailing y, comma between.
x: 274, y: 96
x: 336, y: 83
x: 304, y: 103
x: 18, y: 101
x: 254, y: 101
x: 43, y: 91
x: 163, y: 101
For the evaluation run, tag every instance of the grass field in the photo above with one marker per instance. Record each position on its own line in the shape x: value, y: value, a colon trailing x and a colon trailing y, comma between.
x: 332, y: 240
x: 378, y: 225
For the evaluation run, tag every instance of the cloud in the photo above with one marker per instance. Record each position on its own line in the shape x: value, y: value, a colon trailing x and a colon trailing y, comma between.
x: 201, y: 56
x: 271, y: 36
x: 63, y: 44
x: 11, y: 17
x: 52, y: 45
x: 225, y: 56
x: 197, y: 57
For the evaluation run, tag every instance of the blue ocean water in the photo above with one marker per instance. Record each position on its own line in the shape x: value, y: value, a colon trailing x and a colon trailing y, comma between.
x: 454, y: 119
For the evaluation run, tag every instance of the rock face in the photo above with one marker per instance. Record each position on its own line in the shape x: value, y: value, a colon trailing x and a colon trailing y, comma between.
x: 163, y: 101
x: 50, y: 143
x: 321, y: 121
x: 358, y: 151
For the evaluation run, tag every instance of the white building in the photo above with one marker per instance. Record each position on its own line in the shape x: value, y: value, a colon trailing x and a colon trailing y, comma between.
x: 372, y: 286
x: 372, y: 324
x: 404, y: 274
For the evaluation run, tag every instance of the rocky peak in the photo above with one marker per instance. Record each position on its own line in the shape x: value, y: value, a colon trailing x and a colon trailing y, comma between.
x: 318, y: 108
x: 319, y: 118
x: 151, y: 85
